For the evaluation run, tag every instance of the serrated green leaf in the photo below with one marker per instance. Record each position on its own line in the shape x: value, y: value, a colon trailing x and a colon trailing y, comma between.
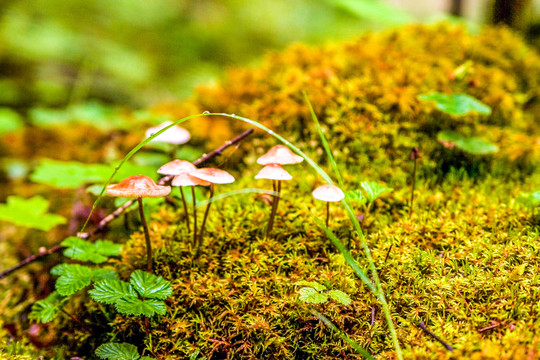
x: 150, y: 286
x: 312, y: 296
x: 72, y: 277
x: 456, y: 104
x: 72, y: 174
x: 29, y: 213
x: 340, y: 297
x: 10, y: 121
x: 110, y: 291
x: 118, y: 351
x: 104, y: 274
x: 471, y: 145
x: 45, y: 310
x: 312, y: 284
x: 83, y: 250
x: 356, y: 196
x: 130, y: 305
x: 373, y: 190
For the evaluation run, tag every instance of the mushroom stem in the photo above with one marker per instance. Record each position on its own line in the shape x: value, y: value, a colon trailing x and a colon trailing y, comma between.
x: 146, y: 236
x: 206, y: 212
x: 185, y: 207
x: 277, y: 189
x: 194, y: 215
x: 413, y: 186
x: 327, y: 213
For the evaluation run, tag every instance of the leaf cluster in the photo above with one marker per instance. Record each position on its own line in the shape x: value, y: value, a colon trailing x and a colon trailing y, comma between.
x: 316, y: 293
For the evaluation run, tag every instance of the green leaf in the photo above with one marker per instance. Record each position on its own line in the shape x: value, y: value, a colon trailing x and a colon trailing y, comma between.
x: 83, y: 250
x: 356, y: 196
x: 374, y: 190
x: 29, y: 213
x: 312, y: 284
x: 312, y: 296
x: 118, y: 351
x: 104, y: 274
x: 130, y: 305
x: 72, y: 277
x: 45, y: 310
x: 10, y: 121
x: 530, y: 199
x: 72, y: 174
x: 471, y: 145
x: 110, y: 291
x: 340, y: 297
x: 150, y: 286
x: 456, y: 104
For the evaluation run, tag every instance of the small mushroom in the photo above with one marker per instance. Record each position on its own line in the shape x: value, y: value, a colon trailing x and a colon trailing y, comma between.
x: 328, y: 193
x: 275, y: 173
x: 213, y: 176
x: 177, y: 167
x: 139, y: 186
x: 185, y: 179
x: 172, y: 136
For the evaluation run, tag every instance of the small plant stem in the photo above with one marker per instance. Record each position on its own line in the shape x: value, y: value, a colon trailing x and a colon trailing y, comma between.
x: 276, y: 184
x: 194, y: 215
x: 185, y: 207
x: 206, y: 213
x: 146, y: 236
x: 413, y: 186
x: 74, y: 318
x: 146, y: 326
x: 327, y: 213
x: 488, y: 328
x: 422, y: 326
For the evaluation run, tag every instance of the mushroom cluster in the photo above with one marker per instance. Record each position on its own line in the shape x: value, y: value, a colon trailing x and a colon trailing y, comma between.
x: 275, y: 157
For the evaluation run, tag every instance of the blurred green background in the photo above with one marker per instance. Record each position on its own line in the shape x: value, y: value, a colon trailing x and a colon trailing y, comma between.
x: 139, y: 52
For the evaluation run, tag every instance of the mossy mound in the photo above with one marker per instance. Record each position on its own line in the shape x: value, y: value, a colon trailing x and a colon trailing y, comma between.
x: 365, y: 94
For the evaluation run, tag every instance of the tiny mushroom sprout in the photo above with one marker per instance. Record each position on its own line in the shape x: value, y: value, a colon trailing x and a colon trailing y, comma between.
x: 277, y: 155
x: 139, y: 186
x: 328, y: 193
x: 177, y: 167
x: 185, y: 179
x: 213, y: 176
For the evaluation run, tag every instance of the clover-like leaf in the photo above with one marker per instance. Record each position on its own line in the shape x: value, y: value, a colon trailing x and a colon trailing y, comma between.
x: 312, y: 296
x: 72, y: 277
x: 131, y: 305
x: 471, y: 145
x: 456, y: 104
x: 150, y: 286
x: 46, y: 309
x: 110, y: 291
x: 117, y: 351
x: 29, y: 213
x: 356, y: 196
x: 312, y: 284
x: 83, y: 250
x: 340, y: 297
x: 374, y: 190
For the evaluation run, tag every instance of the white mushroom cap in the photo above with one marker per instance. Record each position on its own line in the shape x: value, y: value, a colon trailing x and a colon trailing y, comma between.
x: 273, y: 172
x: 215, y: 176
x: 176, y: 167
x: 138, y: 186
x: 279, y: 154
x: 328, y: 193
x: 184, y: 179
x: 175, y: 135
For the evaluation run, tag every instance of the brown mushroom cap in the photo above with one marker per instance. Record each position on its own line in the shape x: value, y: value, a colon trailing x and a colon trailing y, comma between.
x: 174, y: 135
x: 138, y: 186
x: 328, y: 193
x: 279, y: 154
x: 176, y: 167
x: 273, y: 172
x: 184, y: 179
x: 215, y: 176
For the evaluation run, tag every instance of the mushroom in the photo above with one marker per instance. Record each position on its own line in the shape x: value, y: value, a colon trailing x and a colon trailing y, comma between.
x: 279, y: 155
x: 177, y: 167
x: 139, y: 186
x: 213, y: 176
x: 328, y: 193
x: 175, y: 135
x: 185, y: 179
x: 275, y: 173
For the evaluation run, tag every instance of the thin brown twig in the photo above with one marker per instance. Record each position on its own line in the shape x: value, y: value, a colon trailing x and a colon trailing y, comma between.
x: 103, y: 223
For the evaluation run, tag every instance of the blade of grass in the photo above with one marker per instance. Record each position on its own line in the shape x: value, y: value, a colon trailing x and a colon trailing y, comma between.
x: 344, y: 336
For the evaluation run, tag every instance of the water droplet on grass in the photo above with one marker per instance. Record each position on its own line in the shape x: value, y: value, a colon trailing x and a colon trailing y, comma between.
x: 206, y: 112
